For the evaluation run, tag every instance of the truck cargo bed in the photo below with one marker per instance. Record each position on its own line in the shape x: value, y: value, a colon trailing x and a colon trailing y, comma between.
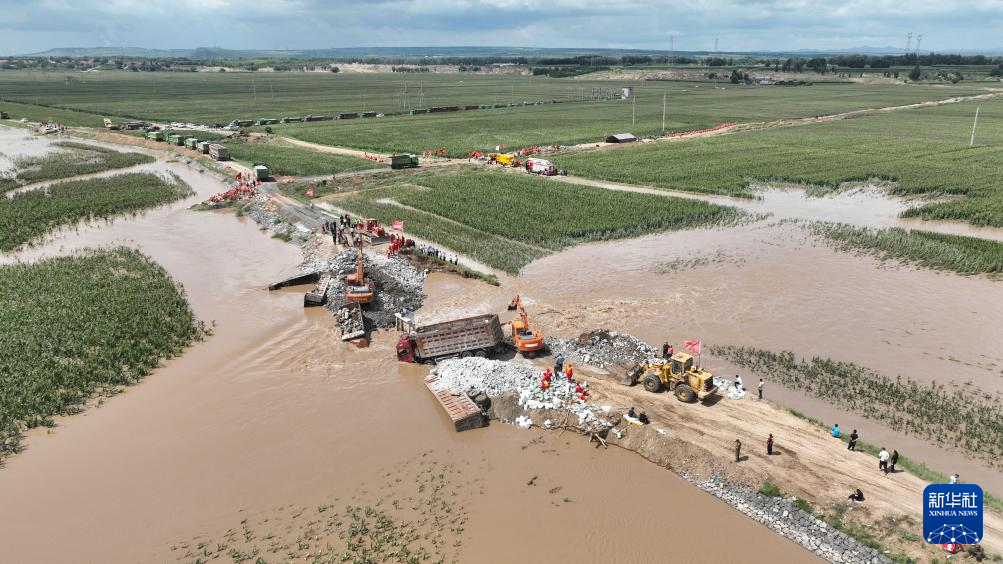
x: 460, y: 409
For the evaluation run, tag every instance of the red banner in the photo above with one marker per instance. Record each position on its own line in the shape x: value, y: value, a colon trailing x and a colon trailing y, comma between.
x: 692, y: 345
x: 399, y: 225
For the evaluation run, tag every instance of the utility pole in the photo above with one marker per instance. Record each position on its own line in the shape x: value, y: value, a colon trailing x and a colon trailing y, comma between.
x: 672, y: 47
x: 254, y: 90
x: 908, y: 42
x: 919, y: 39
x: 663, y: 111
x: 272, y: 89
x: 633, y: 107
x: 976, y: 122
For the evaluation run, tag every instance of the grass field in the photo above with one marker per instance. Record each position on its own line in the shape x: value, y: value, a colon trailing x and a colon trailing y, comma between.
x: 926, y: 151
x: 222, y: 97
x: 688, y: 107
x: 42, y: 114
x: 965, y: 255
x: 507, y: 220
x: 288, y: 160
x: 29, y: 215
x: 78, y: 325
x: 75, y: 159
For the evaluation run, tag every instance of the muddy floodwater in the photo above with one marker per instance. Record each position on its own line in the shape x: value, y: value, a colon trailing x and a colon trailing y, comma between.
x: 273, y: 411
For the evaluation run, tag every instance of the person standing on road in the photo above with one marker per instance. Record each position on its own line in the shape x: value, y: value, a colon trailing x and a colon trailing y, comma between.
x: 769, y: 445
x: 559, y: 363
x: 738, y: 450
x: 738, y: 383
x: 893, y: 461
x: 760, y: 388
x: 883, y: 460
x: 853, y: 441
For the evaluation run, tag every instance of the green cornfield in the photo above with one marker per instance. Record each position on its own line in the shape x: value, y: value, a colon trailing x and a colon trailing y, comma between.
x: 965, y: 419
x: 74, y: 160
x: 289, y: 160
x: 75, y: 326
x: 507, y: 220
x: 964, y: 255
x: 925, y: 152
x: 29, y: 215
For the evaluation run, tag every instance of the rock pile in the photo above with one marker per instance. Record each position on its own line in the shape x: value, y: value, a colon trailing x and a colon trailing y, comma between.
x: 602, y: 348
x: 497, y: 378
x: 398, y: 284
x: 261, y: 211
x: 781, y: 516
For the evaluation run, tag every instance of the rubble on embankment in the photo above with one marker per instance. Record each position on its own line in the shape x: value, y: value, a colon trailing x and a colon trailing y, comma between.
x: 602, y: 349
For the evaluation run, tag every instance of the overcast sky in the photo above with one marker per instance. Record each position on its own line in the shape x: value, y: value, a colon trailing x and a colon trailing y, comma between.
x: 35, y: 25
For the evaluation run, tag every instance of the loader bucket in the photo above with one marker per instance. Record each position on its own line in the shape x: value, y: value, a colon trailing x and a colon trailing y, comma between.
x: 632, y: 376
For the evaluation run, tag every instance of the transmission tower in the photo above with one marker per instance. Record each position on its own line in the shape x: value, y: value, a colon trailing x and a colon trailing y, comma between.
x: 672, y: 47
x: 919, y: 39
x: 908, y: 42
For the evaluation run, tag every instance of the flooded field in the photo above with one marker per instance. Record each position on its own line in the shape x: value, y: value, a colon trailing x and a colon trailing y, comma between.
x: 274, y: 411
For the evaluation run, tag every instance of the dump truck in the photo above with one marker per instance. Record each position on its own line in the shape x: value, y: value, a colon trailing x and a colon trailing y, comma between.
x: 219, y: 152
x: 191, y: 142
x: 134, y: 125
x: 155, y: 135
x: 504, y: 159
x: 471, y: 336
x: 261, y: 171
x: 241, y: 123
x: 406, y: 160
x: 266, y: 121
x: 678, y: 374
x: 290, y: 120
x: 176, y: 139
x: 203, y: 147
x: 4, y: 115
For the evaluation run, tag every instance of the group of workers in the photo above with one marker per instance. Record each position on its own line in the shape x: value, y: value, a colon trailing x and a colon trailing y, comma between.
x: 581, y: 388
x: 434, y: 252
x: 397, y: 243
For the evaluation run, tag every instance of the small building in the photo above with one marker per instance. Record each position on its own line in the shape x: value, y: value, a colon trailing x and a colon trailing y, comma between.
x: 621, y: 138
x: 627, y: 93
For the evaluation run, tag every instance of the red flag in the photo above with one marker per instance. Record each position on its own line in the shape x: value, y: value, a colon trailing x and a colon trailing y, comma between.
x: 239, y: 176
x: 692, y: 345
x: 309, y: 192
x: 399, y: 224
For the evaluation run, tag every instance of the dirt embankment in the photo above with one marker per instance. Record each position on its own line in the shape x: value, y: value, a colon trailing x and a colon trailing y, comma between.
x: 697, y: 441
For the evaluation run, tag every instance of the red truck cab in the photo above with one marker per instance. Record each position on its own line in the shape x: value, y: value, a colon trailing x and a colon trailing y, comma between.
x: 406, y: 349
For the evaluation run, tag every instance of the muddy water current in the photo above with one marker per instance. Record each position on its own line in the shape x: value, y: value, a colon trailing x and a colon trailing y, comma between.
x: 273, y: 410
x: 767, y: 285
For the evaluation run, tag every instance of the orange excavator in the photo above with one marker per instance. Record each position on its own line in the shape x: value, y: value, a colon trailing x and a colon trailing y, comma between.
x: 360, y: 290
x: 527, y: 341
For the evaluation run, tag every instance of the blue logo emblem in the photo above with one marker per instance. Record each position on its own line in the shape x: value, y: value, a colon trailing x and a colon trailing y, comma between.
x: 952, y: 514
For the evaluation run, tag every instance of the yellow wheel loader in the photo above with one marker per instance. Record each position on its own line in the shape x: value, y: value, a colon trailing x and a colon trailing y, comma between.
x: 678, y: 374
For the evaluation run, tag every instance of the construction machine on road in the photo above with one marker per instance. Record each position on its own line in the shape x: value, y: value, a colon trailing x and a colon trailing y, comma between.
x: 527, y: 341
x: 108, y: 124
x: 677, y: 373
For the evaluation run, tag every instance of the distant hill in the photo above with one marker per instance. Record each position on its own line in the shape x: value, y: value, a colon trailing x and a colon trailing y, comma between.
x: 217, y: 53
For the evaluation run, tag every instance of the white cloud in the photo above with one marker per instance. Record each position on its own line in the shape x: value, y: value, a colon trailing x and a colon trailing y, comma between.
x: 298, y: 24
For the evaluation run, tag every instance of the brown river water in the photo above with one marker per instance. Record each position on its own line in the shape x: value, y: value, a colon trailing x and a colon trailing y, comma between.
x: 273, y: 410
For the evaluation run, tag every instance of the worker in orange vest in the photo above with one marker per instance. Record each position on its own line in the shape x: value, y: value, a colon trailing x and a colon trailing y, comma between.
x: 570, y: 373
